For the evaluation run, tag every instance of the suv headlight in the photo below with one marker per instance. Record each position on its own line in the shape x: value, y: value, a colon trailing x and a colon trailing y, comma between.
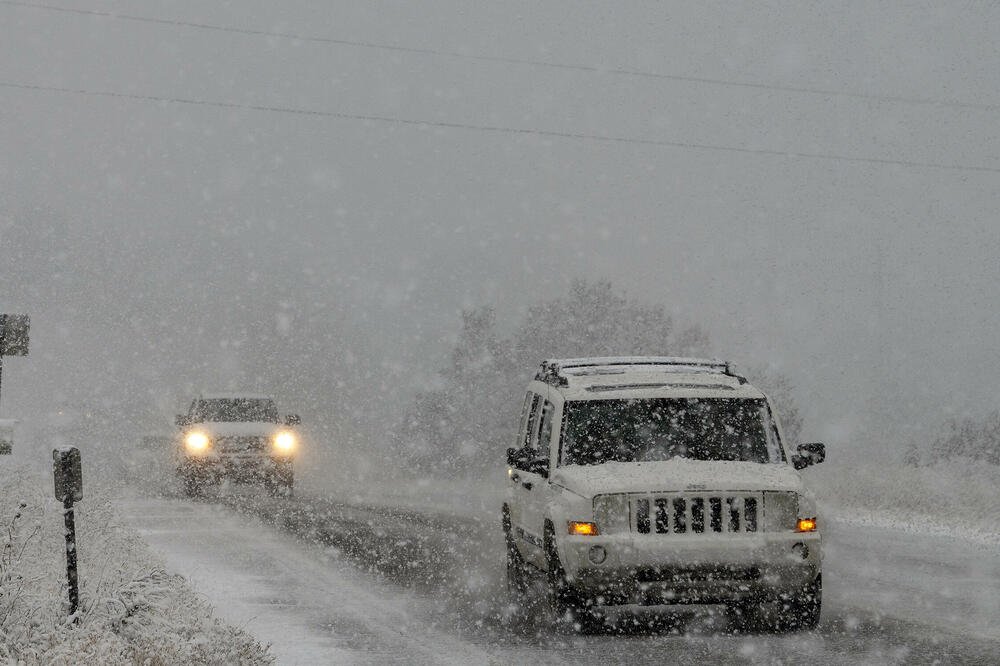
x: 196, y: 442
x: 781, y: 511
x: 611, y: 513
x: 285, y: 442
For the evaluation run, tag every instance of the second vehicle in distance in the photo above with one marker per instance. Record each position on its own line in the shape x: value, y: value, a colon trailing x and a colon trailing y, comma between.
x: 239, y: 437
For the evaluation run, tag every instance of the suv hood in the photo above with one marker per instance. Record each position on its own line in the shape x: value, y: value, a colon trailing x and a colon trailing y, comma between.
x: 676, y: 475
x: 236, y: 429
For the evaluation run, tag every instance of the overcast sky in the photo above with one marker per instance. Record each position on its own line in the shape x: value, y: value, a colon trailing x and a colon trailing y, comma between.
x: 165, y: 246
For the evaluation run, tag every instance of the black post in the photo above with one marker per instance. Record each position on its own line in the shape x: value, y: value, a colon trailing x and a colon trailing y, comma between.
x: 68, y: 477
x: 71, y: 577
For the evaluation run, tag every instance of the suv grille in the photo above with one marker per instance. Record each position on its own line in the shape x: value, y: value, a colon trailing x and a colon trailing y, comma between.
x: 241, y: 444
x: 696, y: 514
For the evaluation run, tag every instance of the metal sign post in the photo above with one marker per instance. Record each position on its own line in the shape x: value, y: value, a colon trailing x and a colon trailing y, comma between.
x: 68, y: 476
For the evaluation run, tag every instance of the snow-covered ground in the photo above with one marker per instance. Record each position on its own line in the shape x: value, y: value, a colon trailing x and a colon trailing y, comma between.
x: 933, y: 579
x: 133, y: 610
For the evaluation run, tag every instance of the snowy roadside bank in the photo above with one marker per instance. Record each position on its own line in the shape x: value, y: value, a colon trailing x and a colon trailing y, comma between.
x: 132, y: 610
x: 946, y: 499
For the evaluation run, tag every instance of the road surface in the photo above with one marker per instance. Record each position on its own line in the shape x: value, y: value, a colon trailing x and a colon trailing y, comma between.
x: 329, y: 582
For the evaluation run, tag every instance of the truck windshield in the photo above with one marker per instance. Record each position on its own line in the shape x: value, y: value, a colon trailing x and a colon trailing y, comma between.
x: 641, y: 430
x: 236, y: 409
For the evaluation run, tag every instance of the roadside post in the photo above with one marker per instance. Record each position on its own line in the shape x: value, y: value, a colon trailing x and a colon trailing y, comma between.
x: 13, y: 337
x: 69, y: 488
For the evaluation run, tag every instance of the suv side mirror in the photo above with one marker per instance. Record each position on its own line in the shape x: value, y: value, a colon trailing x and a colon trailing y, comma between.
x: 182, y: 420
x: 518, y: 458
x: 292, y: 419
x: 539, y: 466
x: 809, y: 454
x: 524, y: 459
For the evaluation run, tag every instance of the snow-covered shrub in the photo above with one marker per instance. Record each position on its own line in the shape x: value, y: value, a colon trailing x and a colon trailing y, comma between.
x: 132, y: 611
x: 971, y: 439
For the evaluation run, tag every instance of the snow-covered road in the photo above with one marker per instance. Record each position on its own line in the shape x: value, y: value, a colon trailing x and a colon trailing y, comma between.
x: 372, y: 585
x: 309, y: 606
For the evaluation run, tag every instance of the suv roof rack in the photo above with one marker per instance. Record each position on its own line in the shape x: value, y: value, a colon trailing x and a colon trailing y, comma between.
x: 551, y: 371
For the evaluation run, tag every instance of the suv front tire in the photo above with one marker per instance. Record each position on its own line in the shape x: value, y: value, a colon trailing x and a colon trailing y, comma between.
x: 518, y: 576
x: 567, y: 605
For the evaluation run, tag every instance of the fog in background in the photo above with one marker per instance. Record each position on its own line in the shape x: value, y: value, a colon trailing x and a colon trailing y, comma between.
x: 162, y: 248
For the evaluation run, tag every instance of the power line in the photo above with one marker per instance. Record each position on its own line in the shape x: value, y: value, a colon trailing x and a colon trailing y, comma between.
x: 496, y: 129
x: 618, y: 71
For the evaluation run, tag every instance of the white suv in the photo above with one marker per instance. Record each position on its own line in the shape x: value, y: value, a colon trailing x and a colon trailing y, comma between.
x: 659, y: 481
x: 235, y: 436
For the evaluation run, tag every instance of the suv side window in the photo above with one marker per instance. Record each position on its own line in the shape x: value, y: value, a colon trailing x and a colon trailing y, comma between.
x: 541, y: 444
x: 530, y: 429
x: 525, y: 409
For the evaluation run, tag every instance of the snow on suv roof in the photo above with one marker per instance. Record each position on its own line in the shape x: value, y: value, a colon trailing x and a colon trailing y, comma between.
x: 647, y: 376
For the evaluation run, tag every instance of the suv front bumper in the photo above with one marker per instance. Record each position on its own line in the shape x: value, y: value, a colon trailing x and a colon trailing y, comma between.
x: 660, y: 569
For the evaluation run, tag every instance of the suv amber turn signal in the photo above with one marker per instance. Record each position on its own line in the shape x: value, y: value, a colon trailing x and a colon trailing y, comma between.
x: 806, y: 525
x: 582, y: 529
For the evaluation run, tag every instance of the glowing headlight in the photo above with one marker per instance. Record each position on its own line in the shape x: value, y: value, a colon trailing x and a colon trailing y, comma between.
x: 284, y: 442
x: 196, y: 442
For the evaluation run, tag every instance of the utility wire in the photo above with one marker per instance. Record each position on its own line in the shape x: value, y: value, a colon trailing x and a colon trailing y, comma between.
x: 496, y: 129
x: 620, y: 71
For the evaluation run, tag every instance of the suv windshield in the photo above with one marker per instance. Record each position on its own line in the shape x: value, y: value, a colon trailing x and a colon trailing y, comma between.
x: 641, y: 430
x: 236, y: 409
